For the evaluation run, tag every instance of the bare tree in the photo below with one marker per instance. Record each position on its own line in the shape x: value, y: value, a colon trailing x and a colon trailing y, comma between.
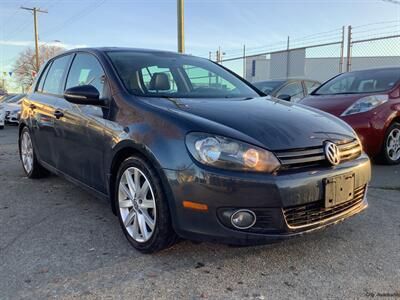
x: 25, y: 67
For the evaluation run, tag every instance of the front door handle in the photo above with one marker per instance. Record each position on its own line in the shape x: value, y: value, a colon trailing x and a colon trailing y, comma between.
x: 58, y: 114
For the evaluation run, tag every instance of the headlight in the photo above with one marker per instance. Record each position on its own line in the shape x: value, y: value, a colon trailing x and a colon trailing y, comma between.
x: 365, y: 104
x: 226, y: 153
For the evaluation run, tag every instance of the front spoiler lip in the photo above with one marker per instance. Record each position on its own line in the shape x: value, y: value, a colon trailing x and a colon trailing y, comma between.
x: 253, y: 239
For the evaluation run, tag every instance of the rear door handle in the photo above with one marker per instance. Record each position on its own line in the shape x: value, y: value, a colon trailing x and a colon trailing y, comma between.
x: 58, y: 114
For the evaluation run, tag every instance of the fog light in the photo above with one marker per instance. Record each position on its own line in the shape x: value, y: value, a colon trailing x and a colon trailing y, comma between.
x: 243, y: 219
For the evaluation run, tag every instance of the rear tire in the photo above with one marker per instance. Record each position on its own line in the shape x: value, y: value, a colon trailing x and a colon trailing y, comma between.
x: 390, y: 153
x: 30, y: 164
x: 142, y: 207
x: 1, y: 127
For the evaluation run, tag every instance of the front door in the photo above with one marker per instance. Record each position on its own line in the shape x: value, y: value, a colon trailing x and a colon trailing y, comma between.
x: 81, y: 127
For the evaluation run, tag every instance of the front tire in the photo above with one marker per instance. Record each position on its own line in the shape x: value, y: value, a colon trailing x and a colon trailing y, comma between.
x: 30, y: 164
x: 391, y: 147
x: 142, y: 207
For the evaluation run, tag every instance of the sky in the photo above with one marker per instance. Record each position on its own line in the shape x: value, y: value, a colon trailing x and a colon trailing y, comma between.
x: 209, y: 24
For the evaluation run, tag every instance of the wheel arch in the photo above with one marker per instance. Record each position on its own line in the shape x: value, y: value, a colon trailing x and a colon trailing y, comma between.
x: 127, y: 149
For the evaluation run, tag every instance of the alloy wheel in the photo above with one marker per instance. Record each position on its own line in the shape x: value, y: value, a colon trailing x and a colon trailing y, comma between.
x: 393, y: 144
x: 137, y: 204
x: 27, y: 152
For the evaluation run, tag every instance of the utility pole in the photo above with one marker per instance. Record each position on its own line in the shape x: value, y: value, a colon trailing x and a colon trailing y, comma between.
x: 35, y: 24
x: 181, y: 26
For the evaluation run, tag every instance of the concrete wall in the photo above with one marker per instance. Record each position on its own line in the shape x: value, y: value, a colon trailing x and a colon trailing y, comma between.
x: 318, y: 68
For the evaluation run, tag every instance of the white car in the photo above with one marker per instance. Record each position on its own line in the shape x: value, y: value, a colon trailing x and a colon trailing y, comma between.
x: 12, y: 112
x: 12, y: 107
x: 2, y: 117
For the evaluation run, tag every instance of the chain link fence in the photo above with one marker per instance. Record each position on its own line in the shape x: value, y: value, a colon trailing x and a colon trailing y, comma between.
x: 319, y: 56
x: 374, y: 45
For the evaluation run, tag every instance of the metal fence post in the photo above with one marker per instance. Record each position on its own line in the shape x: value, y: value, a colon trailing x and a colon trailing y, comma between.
x: 349, y: 45
x: 244, y: 61
x: 341, y: 62
x: 287, y: 57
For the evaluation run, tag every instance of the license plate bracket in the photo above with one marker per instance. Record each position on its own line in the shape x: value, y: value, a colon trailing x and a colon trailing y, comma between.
x: 339, y: 189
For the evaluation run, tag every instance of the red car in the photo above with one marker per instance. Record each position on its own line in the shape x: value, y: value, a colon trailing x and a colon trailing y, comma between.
x: 369, y: 101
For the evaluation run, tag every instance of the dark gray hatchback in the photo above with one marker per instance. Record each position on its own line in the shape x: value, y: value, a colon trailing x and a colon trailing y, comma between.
x: 183, y: 147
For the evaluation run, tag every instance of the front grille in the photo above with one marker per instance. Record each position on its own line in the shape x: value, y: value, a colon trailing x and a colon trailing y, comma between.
x: 311, y: 213
x: 297, y: 158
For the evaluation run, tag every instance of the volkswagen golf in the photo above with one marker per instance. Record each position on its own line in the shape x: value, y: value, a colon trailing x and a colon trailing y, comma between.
x: 182, y: 147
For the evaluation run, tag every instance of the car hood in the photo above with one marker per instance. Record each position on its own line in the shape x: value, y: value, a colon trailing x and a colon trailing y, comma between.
x: 274, y: 123
x: 333, y: 104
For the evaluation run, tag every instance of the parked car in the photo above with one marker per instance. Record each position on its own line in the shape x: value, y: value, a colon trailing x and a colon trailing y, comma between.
x: 12, y: 108
x: 287, y: 89
x: 2, y: 117
x: 6, y: 97
x: 369, y: 101
x: 182, y: 147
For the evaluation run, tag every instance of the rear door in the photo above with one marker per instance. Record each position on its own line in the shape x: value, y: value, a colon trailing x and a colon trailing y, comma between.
x: 42, y: 105
x: 80, y: 130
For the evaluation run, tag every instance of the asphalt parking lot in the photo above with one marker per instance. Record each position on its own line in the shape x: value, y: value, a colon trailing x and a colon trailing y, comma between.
x: 58, y: 241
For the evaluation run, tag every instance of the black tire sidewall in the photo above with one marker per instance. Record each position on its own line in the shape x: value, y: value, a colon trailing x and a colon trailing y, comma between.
x: 386, y: 157
x: 163, y: 229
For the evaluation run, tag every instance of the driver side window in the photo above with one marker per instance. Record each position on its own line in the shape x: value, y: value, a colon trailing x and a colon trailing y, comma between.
x: 86, y: 70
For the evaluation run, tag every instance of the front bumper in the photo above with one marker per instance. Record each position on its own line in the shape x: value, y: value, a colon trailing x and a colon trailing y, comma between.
x: 12, y: 118
x: 269, y: 196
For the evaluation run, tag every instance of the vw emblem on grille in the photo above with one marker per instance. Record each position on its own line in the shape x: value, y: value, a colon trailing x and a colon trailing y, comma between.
x: 332, y: 153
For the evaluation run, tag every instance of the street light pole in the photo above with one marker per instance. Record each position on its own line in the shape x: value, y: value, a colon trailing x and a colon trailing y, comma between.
x: 35, y: 11
x: 181, y: 29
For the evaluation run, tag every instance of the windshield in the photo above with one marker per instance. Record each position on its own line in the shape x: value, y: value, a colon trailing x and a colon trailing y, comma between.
x: 268, y: 86
x: 153, y: 74
x: 371, y: 81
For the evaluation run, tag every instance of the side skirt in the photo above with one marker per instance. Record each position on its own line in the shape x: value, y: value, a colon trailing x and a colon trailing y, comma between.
x: 77, y: 182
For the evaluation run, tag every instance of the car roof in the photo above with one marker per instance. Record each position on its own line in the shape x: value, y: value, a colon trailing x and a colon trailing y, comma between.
x: 114, y: 49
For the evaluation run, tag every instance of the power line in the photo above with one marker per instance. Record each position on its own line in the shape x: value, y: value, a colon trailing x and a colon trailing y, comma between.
x: 84, y: 12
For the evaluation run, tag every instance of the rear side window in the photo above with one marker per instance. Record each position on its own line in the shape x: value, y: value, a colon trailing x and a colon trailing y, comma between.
x: 54, y: 78
x: 86, y: 70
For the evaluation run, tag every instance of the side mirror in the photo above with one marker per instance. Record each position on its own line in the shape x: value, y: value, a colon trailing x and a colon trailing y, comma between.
x: 83, y: 94
x: 284, y: 97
